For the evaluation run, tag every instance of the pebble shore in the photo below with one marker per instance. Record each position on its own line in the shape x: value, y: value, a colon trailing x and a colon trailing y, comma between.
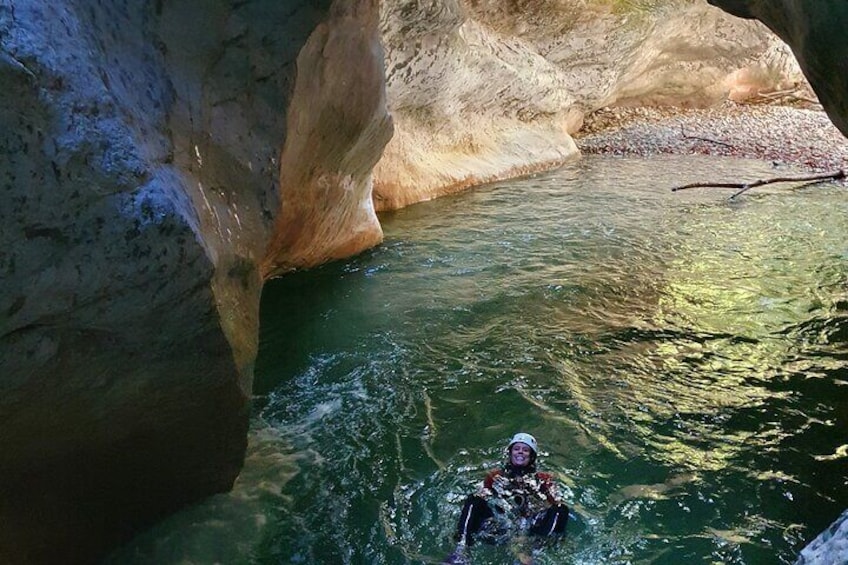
x: 781, y: 134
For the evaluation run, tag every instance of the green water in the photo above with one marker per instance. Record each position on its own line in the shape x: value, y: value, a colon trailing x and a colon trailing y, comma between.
x: 681, y: 359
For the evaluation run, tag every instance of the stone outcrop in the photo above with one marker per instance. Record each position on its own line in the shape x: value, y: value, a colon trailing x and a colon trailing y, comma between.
x: 142, y: 146
x: 830, y: 547
x: 337, y: 129
x: 487, y: 89
x: 470, y: 105
x: 815, y: 32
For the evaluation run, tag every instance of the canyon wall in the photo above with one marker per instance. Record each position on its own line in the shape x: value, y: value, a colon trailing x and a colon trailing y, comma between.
x: 141, y: 176
x: 161, y: 160
x: 815, y: 33
x: 488, y: 89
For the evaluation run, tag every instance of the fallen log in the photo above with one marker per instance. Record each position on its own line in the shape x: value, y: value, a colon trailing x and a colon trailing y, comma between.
x: 743, y: 186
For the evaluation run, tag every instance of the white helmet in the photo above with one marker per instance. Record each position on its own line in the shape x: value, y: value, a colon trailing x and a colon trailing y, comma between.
x: 527, y: 439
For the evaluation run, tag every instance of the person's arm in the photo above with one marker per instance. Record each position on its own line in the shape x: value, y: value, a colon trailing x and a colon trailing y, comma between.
x: 549, y: 488
x: 487, y: 489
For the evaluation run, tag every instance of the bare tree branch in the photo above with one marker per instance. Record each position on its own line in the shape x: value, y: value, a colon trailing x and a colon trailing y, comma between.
x: 743, y: 187
x: 717, y: 142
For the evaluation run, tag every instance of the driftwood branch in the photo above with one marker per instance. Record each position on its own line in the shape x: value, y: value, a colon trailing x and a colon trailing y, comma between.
x: 743, y: 187
x: 790, y: 93
x: 717, y: 142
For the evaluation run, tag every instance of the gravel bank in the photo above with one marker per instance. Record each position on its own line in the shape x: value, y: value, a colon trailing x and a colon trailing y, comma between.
x: 783, y: 134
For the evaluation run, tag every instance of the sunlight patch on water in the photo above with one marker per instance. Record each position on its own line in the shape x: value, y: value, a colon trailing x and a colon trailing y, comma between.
x: 677, y: 355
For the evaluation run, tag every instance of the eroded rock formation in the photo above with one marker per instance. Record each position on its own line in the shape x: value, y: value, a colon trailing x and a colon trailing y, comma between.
x: 469, y: 105
x: 337, y: 129
x: 815, y: 32
x: 487, y: 89
x: 141, y: 181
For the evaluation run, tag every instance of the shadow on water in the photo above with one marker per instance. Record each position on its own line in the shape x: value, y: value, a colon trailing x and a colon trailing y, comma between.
x: 681, y: 359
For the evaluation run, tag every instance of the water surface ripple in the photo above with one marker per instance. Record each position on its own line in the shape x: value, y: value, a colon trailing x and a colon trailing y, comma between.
x: 681, y: 358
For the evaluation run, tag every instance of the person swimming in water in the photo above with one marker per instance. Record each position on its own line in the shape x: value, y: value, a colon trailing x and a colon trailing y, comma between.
x: 513, y: 500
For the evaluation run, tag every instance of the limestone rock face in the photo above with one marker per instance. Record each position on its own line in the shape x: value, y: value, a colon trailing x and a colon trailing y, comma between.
x: 337, y: 129
x: 144, y: 166
x: 470, y: 105
x: 486, y: 89
x: 815, y: 32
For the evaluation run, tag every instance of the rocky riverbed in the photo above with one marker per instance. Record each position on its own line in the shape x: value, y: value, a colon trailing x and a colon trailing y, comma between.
x: 783, y: 134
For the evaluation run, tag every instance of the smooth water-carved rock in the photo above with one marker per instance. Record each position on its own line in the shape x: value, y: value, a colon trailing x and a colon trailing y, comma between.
x: 338, y: 126
x: 490, y: 89
x: 140, y: 175
x: 469, y: 105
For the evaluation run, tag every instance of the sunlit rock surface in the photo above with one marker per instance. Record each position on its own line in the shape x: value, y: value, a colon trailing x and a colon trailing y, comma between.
x: 141, y: 178
x: 469, y: 104
x: 337, y: 128
x: 486, y: 89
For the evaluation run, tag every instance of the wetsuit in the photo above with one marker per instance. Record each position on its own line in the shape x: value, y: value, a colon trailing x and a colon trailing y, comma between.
x: 513, y: 498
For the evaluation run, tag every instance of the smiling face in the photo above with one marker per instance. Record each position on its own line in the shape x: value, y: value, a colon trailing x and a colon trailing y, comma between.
x: 520, y: 454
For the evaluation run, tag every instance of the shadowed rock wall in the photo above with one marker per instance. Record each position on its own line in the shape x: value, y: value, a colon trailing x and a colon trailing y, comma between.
x: 816, y: 33
x: 141, y: 178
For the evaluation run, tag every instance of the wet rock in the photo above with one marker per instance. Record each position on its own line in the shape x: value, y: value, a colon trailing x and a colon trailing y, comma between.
x: 830, y: 547
x: 141, y: 177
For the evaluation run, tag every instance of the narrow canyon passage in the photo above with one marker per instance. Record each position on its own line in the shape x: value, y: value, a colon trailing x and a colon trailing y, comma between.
x: 681, y: 359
